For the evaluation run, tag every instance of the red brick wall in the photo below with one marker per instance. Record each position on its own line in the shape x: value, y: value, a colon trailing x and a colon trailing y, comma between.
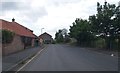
x: 13, y: 47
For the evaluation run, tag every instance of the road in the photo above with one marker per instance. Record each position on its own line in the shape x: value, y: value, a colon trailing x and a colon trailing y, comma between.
x: 58, y: 57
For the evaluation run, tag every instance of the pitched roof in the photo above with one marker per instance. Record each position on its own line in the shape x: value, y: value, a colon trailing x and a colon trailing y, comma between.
x: 45, y: 34
x: 16, y: 27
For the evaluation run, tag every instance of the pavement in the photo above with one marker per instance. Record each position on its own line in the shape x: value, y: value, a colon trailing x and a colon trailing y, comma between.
x: 10, y: 61
x: 59, y: 57
x: 104, y: 51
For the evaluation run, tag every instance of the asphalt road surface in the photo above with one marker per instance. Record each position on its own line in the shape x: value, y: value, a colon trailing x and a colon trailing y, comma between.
x: 58, y: 57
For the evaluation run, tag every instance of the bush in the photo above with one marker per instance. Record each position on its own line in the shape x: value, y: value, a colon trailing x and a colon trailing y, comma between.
x: 99, y: 43
x: 7, y: 36
x: 53, y: 42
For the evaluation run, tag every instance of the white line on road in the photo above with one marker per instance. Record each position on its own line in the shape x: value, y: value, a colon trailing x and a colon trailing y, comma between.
x: 29, y: 61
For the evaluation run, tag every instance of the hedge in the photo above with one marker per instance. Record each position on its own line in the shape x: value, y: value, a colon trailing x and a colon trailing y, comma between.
x: 7, y: 36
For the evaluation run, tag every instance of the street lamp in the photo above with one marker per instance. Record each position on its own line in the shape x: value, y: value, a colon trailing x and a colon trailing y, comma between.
x: 41, y: 30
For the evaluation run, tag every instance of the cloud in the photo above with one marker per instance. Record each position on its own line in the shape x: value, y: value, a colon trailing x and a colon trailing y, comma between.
x: 61, y: 2
x: 22, y: 9
x: 14, y: 6
x: 34, y: 14
x: 49, y: 14
x: 6, y: 6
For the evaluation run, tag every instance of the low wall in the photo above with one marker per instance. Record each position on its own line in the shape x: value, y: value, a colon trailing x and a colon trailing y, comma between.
x: 13, y: 47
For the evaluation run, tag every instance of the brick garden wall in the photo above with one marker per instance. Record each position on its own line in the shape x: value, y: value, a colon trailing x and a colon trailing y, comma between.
x: 13, y: 47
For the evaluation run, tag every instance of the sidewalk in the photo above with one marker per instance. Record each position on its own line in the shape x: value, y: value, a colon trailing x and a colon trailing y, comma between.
x: 100, y: 50
x: 104, y: 51
x: 11, y: 60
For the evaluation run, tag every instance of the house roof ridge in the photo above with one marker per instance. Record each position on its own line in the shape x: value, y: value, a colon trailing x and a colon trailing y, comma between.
x: 44, y: 33
x: 16, y: 23
x: 22, y: 26
x: 17, y: 28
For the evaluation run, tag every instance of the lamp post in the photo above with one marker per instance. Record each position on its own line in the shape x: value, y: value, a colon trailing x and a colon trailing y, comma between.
x: 41, y: 30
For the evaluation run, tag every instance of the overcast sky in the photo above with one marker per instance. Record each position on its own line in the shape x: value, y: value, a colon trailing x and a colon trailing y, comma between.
x: 51, y: 15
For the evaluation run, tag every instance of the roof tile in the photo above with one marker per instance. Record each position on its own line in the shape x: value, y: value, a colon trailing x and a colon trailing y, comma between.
x: 16, y: 27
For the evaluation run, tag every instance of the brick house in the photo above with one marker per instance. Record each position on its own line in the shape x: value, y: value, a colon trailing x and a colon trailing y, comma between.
x: 23, y: 37
x: 46, y: 38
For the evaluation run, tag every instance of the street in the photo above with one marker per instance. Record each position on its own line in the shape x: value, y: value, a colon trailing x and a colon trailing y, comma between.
x: 58, y: 57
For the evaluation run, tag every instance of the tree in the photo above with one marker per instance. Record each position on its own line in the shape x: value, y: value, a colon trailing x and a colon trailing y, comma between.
x: 106, y: 23
x: 59, y: 36
x: 62, y: 36
x: 81, y: 30
x: 117, y: 23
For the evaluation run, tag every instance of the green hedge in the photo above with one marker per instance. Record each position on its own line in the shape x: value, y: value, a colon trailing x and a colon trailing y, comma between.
x: 7, y: 36
x: 100, y: 43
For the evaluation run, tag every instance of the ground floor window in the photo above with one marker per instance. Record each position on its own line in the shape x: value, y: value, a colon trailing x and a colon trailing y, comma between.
x: 27, y: 41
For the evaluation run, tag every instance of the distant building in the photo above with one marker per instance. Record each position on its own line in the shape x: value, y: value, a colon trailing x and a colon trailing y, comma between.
x: 23, y: 38
x: 46, y: 38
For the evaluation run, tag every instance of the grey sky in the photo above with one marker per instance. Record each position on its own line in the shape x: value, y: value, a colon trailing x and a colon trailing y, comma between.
x: 49, y: 14
x: 9, y: 6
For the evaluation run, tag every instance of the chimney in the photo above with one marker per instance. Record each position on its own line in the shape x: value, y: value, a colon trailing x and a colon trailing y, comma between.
x: 13, y: 20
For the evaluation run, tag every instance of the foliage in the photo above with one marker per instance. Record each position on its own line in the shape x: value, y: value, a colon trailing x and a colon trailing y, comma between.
x: 62, y: 37
x: 99, y: 43
x: 81, y: 30
x: 67, y: 39
x: 7, y: 36
x: 106, y: 23
x: 59, y: 36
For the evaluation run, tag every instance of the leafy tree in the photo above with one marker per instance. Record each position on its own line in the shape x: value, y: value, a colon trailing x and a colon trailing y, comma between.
x: 67, y: 39
x: 117, y: 23
x: 62, y: 36
x: 106, y: 23
x: 81, y: 30
x: 59, y: 36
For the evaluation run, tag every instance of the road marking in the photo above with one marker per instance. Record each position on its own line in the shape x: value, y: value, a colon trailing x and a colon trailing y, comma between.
x: 15, y: 65
x: 29, y: 61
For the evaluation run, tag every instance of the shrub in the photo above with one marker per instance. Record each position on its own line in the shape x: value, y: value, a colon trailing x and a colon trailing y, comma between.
x: 7, y: 36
